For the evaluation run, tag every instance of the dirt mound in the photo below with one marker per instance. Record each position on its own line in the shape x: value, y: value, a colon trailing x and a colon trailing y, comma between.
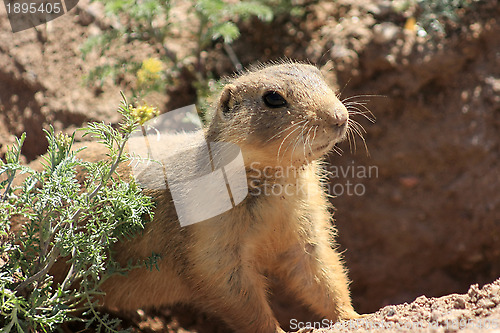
x: 476, y: 311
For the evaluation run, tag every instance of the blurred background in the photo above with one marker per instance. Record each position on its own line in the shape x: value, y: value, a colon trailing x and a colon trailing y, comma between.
x: 427, y: 223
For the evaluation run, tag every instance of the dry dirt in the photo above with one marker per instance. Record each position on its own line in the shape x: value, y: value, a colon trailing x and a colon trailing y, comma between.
x: 426, y: 223
x: 476, y: 311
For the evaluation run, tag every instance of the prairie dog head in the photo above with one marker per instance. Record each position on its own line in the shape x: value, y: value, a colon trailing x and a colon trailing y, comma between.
x: 283, y: 114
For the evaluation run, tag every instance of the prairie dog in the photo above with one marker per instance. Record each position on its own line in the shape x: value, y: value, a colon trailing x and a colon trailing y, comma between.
x: 284, y: 118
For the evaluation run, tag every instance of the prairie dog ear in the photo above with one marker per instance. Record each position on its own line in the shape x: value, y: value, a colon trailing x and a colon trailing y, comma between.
x: 226, y: 100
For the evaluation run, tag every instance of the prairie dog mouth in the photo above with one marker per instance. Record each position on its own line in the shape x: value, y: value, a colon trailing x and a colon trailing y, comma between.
x: 308, y: 141
x: 327, y: 141
x: 331, y: 136
x: 324, y: 148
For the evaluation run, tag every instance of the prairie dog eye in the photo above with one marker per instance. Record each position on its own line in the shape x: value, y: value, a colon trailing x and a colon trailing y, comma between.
x: 274, y: 100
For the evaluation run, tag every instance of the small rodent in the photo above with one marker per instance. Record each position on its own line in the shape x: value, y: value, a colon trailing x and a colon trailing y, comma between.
x: 283, y: 117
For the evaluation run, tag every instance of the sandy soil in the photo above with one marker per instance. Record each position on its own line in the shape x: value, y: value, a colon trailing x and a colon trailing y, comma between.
x: 476, y: 311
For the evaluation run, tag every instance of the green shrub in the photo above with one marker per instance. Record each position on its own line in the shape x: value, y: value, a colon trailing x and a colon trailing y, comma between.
x: 65, y: 220
x: 431, y: 15
x: 434, y: 13
x: 150, y: 23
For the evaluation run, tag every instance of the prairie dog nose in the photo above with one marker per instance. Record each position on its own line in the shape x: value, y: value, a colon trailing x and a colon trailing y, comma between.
x: 340, y: 116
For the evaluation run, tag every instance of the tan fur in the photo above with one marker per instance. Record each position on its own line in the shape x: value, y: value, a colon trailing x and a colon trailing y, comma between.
x: 222, y: 265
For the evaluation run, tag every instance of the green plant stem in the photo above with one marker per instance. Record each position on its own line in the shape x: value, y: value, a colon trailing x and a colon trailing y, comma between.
x: 70, y: 272
x: 96, y: 315
x: 234, y: 58
x: 9, y: 184
x: 111, y: 171
x: 51, y: 259
x: 45, y: 243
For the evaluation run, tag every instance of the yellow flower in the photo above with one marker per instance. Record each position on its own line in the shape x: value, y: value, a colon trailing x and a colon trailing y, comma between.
x: 150, y: 71
x: 143, y: 113
x: 64, y: 140
x: 152, y: 65
x: 411, y: 24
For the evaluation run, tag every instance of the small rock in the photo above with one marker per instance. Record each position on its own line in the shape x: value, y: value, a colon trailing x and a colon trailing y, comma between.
x: 421, y: 300
x: 474, y: 292
x: 385, y: 32
x: 486, y: 303
x: 389, y: 311
x: 141, y: 314
x: 85, y: 17
x: 340, y: 51
x: 495, y: 290
x: 452, y: 316
x: 494, y: 83
x: 409, y: 181
x: 380, y: 8
x: 478, y: 312
x: 459, y: 303
x: 435, y: 315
